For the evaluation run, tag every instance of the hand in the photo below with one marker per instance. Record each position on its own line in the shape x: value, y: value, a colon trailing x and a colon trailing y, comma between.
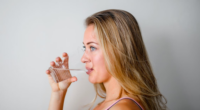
x: 63, y: 85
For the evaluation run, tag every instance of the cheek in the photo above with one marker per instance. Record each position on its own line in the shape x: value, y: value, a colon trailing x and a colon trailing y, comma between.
x: 100, y: 74
x: 99, y: 63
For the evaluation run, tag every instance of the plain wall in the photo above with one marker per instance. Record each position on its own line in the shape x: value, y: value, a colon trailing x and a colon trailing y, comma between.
x: 33, y: 33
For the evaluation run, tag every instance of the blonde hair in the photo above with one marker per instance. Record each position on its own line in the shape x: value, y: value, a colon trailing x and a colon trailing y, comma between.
x: 126, y: 58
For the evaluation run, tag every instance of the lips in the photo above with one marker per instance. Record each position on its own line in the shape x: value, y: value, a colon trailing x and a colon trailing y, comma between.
x: 89, y: 70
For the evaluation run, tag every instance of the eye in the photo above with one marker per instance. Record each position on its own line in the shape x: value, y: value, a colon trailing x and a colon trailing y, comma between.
x: 83, y: 48
x: 92, y: 48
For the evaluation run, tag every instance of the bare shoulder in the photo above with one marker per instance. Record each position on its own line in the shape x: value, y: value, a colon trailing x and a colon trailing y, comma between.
x: 125, y: 104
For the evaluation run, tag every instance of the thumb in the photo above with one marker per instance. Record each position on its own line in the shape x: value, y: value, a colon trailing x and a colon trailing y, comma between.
x: 73, y: 79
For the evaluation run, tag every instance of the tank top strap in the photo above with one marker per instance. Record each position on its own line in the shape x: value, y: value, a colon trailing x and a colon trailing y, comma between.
x: 126, y: 98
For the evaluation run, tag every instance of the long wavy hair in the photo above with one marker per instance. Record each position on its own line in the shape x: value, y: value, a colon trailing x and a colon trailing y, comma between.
x: 126, y: 57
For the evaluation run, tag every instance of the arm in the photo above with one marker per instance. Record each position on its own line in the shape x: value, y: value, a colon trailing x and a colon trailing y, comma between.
x: 59, y: 90
x: 57, y: 100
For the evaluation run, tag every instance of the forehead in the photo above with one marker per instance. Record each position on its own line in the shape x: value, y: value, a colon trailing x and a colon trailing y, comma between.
x: 89, y: 34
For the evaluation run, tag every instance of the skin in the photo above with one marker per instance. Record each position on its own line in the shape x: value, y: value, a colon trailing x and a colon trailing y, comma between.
x: 94, y: 60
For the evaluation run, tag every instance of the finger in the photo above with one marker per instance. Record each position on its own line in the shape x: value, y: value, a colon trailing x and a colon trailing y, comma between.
x: 53, y: 64
x: 47, y: 72
x: 51, y: 80
x: 59, y: 62
x: 73, y: 79
x: 65, y: 61
x: 49, y: 75
x: 65, y: 54
x: 58, y: 59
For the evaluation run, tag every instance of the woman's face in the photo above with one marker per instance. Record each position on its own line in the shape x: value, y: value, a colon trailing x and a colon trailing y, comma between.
x: 93, y: 57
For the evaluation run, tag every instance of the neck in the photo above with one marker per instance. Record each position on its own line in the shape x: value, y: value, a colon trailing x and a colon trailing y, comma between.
x: 113, y: 89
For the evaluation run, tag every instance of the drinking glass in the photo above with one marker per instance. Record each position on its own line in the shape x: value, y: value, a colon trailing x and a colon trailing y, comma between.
x: 75, y: 64
x: 60, y: 74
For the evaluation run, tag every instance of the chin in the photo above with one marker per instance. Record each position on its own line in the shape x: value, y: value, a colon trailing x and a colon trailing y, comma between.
x: 94, y: 80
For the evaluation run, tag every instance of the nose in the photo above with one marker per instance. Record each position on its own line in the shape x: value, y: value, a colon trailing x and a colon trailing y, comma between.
x: 85, y: 58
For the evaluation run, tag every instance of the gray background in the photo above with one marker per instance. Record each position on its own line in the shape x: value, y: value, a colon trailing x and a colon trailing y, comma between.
x: 33, y: 33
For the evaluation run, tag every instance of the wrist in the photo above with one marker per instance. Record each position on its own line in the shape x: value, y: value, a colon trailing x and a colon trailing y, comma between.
x: 57, y: 100
x: 60, y: 95
x: 59, y: 92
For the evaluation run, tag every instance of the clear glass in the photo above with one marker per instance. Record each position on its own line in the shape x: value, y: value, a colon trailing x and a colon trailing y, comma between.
x: 62, y: 73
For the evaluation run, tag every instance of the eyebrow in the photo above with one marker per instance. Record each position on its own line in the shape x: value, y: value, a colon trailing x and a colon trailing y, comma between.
x: 91, y: 42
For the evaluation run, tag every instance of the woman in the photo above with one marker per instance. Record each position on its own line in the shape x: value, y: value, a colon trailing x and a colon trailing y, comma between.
x: 117, y: 64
